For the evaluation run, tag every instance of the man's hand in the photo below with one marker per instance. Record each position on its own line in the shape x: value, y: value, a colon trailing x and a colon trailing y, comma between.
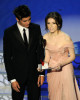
x: 15, y: 86
x: 40, y: 80
x: 40, y: 70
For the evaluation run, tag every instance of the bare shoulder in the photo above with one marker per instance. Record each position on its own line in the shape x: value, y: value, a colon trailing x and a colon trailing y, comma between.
x: 45, y: 36
x: 66, y: 37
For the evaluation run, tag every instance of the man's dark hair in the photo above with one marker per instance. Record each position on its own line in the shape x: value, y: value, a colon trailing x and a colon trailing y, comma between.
x: 57, y: 17
x: 22, y: 11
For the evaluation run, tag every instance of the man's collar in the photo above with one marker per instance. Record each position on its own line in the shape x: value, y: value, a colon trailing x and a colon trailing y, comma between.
x: 21, y: 27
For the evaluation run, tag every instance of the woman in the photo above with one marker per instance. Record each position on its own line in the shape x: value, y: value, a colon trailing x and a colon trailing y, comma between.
x: 59, y: 54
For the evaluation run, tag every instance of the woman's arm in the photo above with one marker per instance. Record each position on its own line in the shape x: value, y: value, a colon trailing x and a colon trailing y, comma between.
x: 70, y: 58
x: 71, y: 52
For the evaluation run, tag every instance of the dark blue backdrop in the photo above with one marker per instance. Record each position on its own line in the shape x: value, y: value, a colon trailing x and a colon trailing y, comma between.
x: 69, y: 9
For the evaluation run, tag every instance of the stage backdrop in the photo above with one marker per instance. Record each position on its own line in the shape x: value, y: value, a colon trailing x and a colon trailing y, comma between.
x: 70, y: 11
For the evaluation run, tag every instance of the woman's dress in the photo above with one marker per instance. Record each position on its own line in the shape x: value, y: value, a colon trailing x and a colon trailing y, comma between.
x: 62, y: 84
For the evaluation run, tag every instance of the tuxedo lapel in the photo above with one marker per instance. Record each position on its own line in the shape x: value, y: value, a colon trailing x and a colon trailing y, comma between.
x: 18, y: 35
x: 31, y: 33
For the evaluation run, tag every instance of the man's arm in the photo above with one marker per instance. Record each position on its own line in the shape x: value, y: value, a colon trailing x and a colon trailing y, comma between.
x: 40, y: 56
x: 7, y: 54
x: 40, y: 50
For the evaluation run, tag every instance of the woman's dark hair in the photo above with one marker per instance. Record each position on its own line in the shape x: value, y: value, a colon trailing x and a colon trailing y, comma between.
x: 57, y: 17
x: 22, y: 12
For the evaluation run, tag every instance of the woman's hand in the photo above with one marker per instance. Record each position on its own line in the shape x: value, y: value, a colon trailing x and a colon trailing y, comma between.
x: 57, y: 68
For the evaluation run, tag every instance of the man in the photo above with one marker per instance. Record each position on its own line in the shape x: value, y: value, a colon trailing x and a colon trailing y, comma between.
x: 22, y: 53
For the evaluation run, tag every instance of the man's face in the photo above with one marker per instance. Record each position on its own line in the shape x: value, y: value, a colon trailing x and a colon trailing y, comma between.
x: 25, y: 22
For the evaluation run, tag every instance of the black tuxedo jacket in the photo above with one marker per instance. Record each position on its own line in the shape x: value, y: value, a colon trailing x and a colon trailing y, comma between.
x: 21, y: 61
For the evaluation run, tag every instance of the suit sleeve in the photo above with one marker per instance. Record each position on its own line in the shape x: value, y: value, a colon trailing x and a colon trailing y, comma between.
x: 7, y: 54
x: 40, y: 49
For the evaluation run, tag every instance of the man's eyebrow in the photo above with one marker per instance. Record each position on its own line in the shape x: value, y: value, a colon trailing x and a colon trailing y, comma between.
x: 27, y: 20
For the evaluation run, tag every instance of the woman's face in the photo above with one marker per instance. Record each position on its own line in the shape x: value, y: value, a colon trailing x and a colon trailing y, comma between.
x: 51, y: 25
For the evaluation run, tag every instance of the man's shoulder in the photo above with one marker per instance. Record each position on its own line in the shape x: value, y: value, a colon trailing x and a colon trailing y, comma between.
x: 10, y: 28
x: 34, y: 25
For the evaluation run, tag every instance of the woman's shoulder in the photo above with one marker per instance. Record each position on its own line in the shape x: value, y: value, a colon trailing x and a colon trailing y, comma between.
x: 45, y: 36
x: 67, y: 38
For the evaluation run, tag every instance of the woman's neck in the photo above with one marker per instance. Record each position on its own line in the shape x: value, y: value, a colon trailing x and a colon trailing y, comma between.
x: 55, y: 33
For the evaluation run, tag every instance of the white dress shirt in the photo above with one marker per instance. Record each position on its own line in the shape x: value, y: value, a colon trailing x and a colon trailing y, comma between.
x: 21, y: 31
